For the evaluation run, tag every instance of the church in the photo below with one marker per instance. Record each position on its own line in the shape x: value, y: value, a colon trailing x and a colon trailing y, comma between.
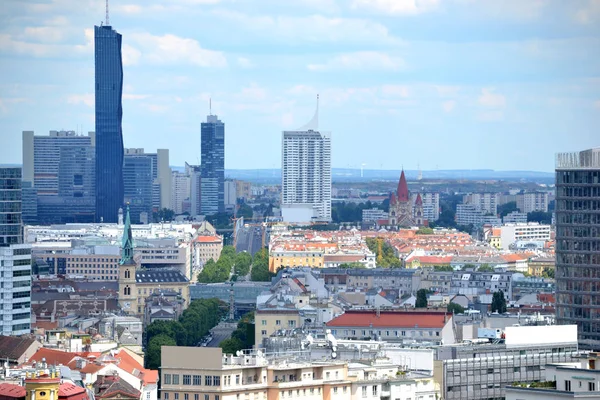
x: 136, y: 284
x: 403, y: 213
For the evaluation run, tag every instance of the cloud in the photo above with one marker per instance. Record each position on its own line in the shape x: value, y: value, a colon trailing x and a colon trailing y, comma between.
x: 397, y: 7
x: 131, y: 96
x: 589, y: 13
x: 244, y: 62
x: 252, y: 92
x: 362, y: 60
x: 86, y: 98
x: 172, y: 49
x: 447, y: 91
x: 130, y: 55
x: 12, y: 45
x: 490, y: 99
x: 127, y: 8
x: 395, y: 90
x: 6, y: 102
x: 448, y: 106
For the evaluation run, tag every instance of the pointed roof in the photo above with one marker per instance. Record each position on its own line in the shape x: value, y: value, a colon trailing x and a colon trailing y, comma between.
x: 127, y: 244
x: 393, y: 198
x: 419, y: 200
x: 402, y: 188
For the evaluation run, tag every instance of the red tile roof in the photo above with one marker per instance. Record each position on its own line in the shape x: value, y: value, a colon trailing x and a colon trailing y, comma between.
x: 208, y: 239
x: 402, y: 188
x: 67, y: 389
x: 11, y: 390
x: 130, y: 364
x: 391, y: 319
x: 53, y: 357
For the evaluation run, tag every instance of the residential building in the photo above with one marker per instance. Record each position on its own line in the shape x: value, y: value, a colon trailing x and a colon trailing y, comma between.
x: 394, y: 326
x: 163, y: 305
x: 15, y: 259
x: 268, y: 321
x: 17, y: 350
x: 137, y: 183
x: 515, y: 217
x: 405, y: 280
x: 306, y: 174
x: 206, y: 247
x: 578, y: 243
x: 487, y: 203
x: 60, y: 177
x: 212, y: 166
x: 532, y: 231
x: 113, y: 387
x: 373, y: 215
x: 295, y: 259
x: 109, y: 113
x: 532, y: 201
x: 540, y: 265
x: 431, y: 206
x: 180, y: 186
x: 243, y: 189
x: 471, y: 214
x: 483, y: 370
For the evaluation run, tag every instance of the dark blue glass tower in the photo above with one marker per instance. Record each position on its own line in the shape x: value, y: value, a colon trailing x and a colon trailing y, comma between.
x: 212, y: 166
x: 109, y: 112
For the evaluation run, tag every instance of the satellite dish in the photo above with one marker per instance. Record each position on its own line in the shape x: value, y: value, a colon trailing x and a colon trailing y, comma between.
x: 334, y: 355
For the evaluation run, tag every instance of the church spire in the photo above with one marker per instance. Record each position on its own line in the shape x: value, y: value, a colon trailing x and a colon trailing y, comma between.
x: 402, y: 188
x: 127, y: 244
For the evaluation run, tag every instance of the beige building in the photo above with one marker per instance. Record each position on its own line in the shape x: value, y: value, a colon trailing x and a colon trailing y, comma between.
x: 196, y: 373
x: 207, y: 247
x: 267, y: 321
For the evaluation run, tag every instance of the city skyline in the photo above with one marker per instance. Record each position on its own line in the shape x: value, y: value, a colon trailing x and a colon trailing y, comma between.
x: 525, y: 89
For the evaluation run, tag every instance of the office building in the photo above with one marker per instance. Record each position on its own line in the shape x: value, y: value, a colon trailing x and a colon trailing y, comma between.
x: 534, y: 201
x: 212, y: 166
x: 180, y: 190
x: 306, y: 174
x: 139, y: 180
x: 59, y: 177
x: 578, y: 244
x: 530, y: 232
x: 15, y: 259
x: 230, y: 194
x: 109, y: 113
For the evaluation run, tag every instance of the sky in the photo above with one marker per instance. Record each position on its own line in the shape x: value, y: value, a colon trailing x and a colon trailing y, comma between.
x: 439, y: 84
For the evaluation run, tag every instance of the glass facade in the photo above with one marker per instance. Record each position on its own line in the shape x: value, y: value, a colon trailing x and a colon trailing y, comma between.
x: 137, y: 179
x: 212, y: 167
x: 10, y: 206
x: 109, y: 135
x: 578, y: 249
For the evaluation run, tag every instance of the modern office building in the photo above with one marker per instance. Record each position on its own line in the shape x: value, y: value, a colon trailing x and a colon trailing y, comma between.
x: 58, y: 177
x: 212, y: 166
x: 578, y: 244
x: 109, y: 113
x: 306, y: 174
x: 137, y: 183
x: 15, y: 259
x: 180, y: 190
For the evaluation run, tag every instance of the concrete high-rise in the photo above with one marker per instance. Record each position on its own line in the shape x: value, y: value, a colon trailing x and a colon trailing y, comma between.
x: 58, y: 177
x: 306, y: 174
x: 109, y: 113
x: 212, y: 166
x: 578, y: 244
x: 15, y: 259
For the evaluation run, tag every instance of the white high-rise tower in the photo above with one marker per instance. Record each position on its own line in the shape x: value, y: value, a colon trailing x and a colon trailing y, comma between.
x: 306, y: 173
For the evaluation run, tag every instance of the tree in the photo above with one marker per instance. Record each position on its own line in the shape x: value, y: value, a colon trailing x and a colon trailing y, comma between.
x: 507, y: 208
x: 499, y: 302
x: 455, y: 308
x: 485, y: 268
x: 231, y: 345
x: 242, y: 263
x: 164, y: 214
x: 352, y: 265
x: 260, y: 267
x: 424, y: 231
x: 152, y: 356
x: 540, y: 216
x: 548, y: 272
x: 421, y: 298
x: 244, y: 211
x: 446, y: 268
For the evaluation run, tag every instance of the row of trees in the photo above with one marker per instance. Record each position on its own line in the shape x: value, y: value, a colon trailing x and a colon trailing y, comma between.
x: 260, y: 267
x: 220, y: 270
x: 193, y: 324
x: 386, y: 258
x: 498, y: 302
x: 352, y: 212
x: 242, y: 338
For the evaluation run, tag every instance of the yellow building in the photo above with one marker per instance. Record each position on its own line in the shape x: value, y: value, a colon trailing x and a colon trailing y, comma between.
x: 294, y: 258
x: 267, y: 321
x: 537, y: 266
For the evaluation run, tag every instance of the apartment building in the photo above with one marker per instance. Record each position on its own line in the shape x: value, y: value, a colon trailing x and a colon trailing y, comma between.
x: 534, y: 201
x: 405, y: 280
x: 268, y: 321
x: 283, y: 258
x: 515, y: 217
x: 192, y: 373
x: 431, y: 206
x: 471, y: 214
x: 374, y: 215
x: 532, y: 231
x: 207, y: 247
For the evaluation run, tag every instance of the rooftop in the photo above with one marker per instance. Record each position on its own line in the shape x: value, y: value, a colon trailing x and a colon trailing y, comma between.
x: 391, y: 319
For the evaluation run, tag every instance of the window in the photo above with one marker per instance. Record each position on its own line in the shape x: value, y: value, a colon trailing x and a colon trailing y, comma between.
x: 291, y: 324
x: 568, y: 386
x: 263, y: 322
x: 206, y: 397
x: 345, y: 389
x: 196, y: 396
x: 176, y: 396
x: 263, y: 332
x: 167, y: 379
x: 187, y: 380
x: 592, y: 386
x: 327, y: 375
x: 186, y: 396
x: 374, y: 390
x: 237, y: 379
x: 216, y: 397
x: 175, y: 379
x: 166, y: 396
x: 335, y: 390
x: 208, y: 380
x: 216, y: 381
x: 277, y: 322
x: 364, y: 391
x: 197, y: 380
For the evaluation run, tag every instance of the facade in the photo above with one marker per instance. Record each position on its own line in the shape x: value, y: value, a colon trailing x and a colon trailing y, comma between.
x: 487, y: 203
x: 578, y: 244
x: 532, y: 231
x: 61, y: 175
x: 431, y: 206
x: 109, y: 133
x: 138, y: 171
x: 306, y: 176
x: 180, y: 190
x: 402, y: 210
x: 205, y: 248
x: 230, y: 194
x: 373, y: 215
x: 212, y: 166
x: 515, y: 217
x: 161, y: 176
x: 15, y: 259
x: 534, y: 201
x: 267, y: 322
x: 472, y: 214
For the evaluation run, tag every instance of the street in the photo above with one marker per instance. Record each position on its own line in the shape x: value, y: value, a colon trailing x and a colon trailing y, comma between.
x: 221, y: 332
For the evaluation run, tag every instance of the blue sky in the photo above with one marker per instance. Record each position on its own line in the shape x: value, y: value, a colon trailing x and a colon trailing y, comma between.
x: 446, y: 84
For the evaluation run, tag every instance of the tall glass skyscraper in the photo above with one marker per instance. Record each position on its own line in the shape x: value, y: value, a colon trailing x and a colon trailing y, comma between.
x: 138, y: 179
x: 212, y: 166
x: 109, y: 112
x: 578, y: 244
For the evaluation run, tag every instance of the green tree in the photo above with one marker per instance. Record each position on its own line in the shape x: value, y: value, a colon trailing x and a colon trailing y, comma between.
x: 455, y: 308
x: 499, y: 302
x: 352, y: 265
x: 244, y: 211
x: 540, y: 216
x: 421, y: 298
x: 424, y: 231
x: 548, y: 272
x: 164, y: 214
x: 485, y: 268
x: 242, y: 263
x: 231, y: 345
x: 260, y: 267
x: 446, y: 268
x: 152, y: 355
x: 507, y: 208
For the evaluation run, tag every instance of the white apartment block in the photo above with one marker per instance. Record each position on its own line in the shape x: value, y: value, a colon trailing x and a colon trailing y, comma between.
x: 532, y: 231
x: 230, y: 194
x: 180, y: 186
x: 15, y: 290
x: 373, y: 215
x: 431, y: 206
x: 306, y: 176
x: 535, y: 201
x: 467, y: 214
x: 484, y: 202
x: 515, y: 217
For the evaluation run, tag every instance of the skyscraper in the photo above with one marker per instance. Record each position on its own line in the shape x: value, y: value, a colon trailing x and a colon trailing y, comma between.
x: 212, y: 166
x: 137, y: 181
x: 306, y: 174
x: 15, y: 258
x: 109, y: 112
x: 578, y: 244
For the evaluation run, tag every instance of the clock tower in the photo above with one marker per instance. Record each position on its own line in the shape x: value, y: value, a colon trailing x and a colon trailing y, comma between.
x: 127, y: 267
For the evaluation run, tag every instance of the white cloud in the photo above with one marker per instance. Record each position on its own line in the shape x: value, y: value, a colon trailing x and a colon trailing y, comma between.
x: 447, y: 91
x: 362, y: 60
x: 130, y: 55
x: 397, y: 7
x: 131, y: 96
x: 171, y: 49
x: 127, y: 9
x: 448, y: 106
x: 252, y: 92
x: 86, y: 98
x: 395, y: 90
x: 490, y: 99
x: 244, y: 62
x: 589, y: 13
x: 12, y: 45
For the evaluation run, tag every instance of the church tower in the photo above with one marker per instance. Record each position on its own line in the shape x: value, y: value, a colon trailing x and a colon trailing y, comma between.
x: 127, y: 268
x: 419, y: 221
x: 401, y: 210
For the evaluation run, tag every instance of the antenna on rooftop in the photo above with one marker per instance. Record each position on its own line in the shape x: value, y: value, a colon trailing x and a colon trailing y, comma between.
x: 106, y: 21
x: 209, y: 106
